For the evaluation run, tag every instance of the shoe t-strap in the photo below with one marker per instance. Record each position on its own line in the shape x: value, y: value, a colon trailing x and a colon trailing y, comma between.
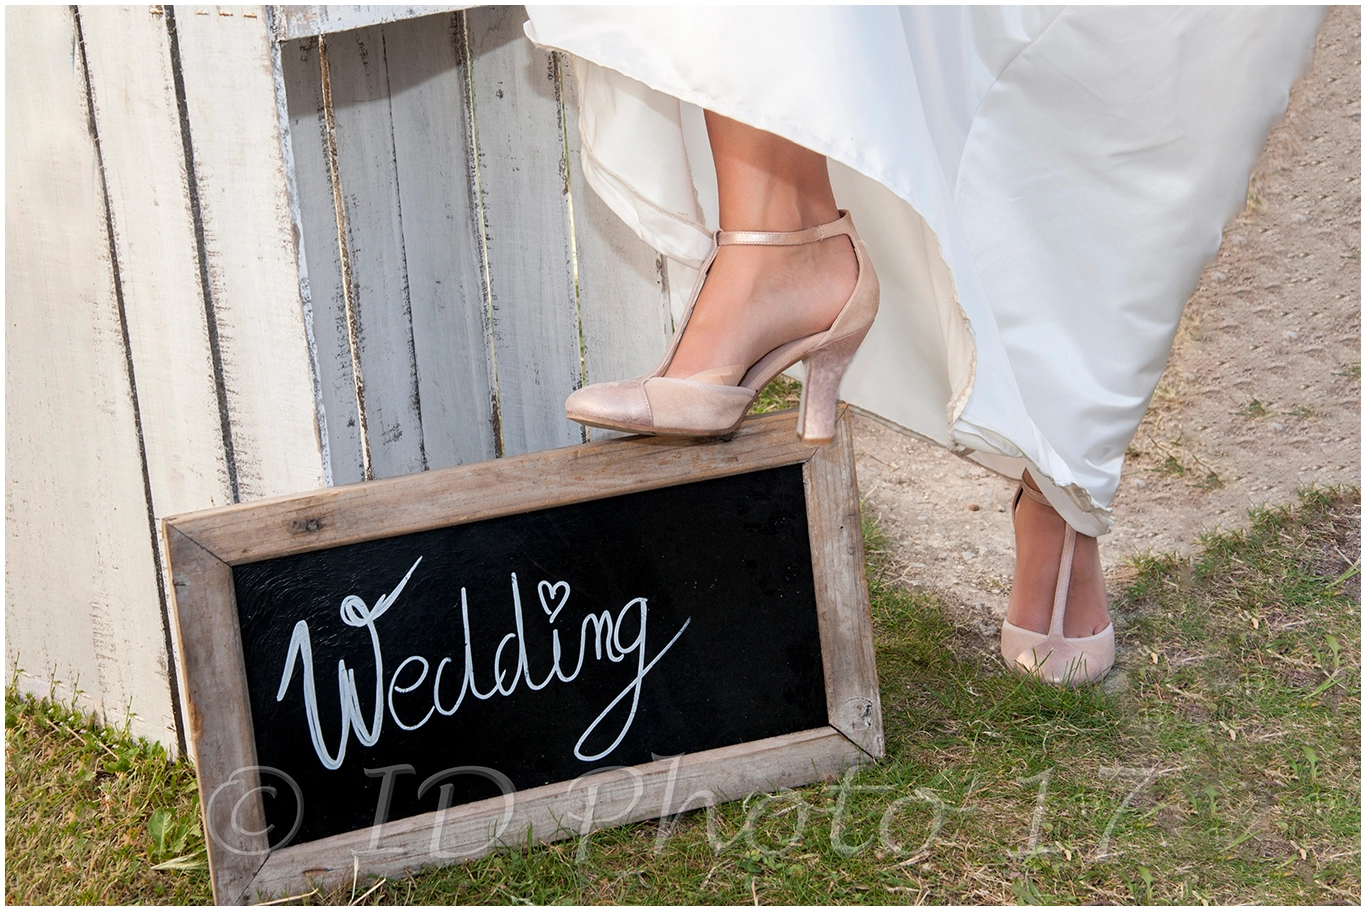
x: 843, y: 225
x: 1069, y: 547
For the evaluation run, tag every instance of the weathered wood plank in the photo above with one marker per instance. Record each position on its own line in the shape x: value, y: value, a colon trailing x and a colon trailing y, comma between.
x: 435, y: 499
x: 450, y: 324
x: 381, y: 313
x: 82, y: 601
x: 230, y: 94
x: 832, y: 505
x: 133, y: 93
x: 623, y: 283
x: 214, y: 683
x: 186, y: 440
x: 521, y: 174
x: 308, y: 131
x: 306, y: 21
x: 564, y: 809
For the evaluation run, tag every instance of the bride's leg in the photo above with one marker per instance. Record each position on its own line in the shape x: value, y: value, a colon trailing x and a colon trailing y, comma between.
x: 757, y: 298
x: 1038, y: 547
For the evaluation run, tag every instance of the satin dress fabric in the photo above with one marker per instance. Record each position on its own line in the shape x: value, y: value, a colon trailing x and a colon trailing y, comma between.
x: 1039, y: 188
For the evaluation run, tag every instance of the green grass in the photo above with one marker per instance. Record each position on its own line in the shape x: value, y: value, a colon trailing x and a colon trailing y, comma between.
x: 89, y: 812
x: 1219, y: 763
x: 781, y: 393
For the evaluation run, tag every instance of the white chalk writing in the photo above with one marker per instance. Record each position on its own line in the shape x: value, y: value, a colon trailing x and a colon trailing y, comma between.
x: 506, y: 673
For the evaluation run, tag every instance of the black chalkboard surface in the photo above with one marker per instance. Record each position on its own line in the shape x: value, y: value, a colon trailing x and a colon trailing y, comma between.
x: 417, y: 670
x: 703, y: 594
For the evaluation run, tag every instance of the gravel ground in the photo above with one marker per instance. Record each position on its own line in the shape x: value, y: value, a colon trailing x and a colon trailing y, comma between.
x: 1262, y: 393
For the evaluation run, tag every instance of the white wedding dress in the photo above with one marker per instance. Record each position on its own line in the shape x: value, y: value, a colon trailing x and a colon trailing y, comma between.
x: 1039, y: 188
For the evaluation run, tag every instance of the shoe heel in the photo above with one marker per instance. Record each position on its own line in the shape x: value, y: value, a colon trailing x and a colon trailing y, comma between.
x: 820, y: 392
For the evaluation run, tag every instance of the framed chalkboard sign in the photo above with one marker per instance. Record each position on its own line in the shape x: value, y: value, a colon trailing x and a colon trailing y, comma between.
x: 418, y: 670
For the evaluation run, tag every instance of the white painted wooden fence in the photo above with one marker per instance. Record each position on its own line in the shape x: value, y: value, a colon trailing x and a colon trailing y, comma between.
x: 258, y: 250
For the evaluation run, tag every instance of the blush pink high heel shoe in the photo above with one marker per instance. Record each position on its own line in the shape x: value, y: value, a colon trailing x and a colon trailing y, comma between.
x: 714, y: 402
x: 1055, y: 658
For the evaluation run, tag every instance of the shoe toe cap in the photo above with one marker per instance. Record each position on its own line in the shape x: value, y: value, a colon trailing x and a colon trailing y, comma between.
x: 620, y: 404
x: 1065, y: 665
x: 688, y: 407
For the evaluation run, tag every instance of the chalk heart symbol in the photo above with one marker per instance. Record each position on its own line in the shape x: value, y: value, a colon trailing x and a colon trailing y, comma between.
x: 547, y: 593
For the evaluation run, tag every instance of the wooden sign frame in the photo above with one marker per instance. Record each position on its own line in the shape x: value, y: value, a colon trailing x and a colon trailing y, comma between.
x: 204, y: 546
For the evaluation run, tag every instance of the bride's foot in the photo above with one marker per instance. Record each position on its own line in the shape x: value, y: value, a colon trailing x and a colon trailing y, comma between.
x: 1039, y: 535
x: 787, y: 280
x: 787, y: 316
x: 758, y: 297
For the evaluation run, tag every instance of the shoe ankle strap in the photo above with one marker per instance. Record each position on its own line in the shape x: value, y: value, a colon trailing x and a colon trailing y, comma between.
x: 1026, y: 491
x: 1034, y: 495
x: 842, y: 225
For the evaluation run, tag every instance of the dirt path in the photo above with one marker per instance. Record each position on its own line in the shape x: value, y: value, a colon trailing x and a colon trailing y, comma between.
x: 1262, y: 394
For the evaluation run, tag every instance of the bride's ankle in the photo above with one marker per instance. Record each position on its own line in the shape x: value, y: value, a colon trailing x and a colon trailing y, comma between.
x: 1039, y: 541
x: 778, y: 209
x: 756, y: 298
